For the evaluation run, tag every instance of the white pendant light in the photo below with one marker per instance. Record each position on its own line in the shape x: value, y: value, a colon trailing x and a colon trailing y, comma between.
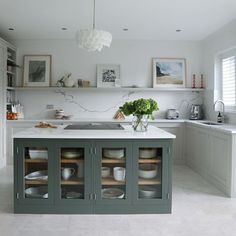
x: 93, y: 39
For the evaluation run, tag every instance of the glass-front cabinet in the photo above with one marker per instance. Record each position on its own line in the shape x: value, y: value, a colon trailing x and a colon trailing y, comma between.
x: 74, y: 179
x: 92, y: 176
x: 113, y: 161
x: 151, y: 168
x: 35, y: 176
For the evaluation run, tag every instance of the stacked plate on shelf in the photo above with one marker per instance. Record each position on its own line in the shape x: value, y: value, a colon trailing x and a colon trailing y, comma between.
x: 147, y: 153
x: 147, y: 192
x: 36, y: 192
x: 37, y: 175
x: 112, y: 193
x: 72, y: 153
x: 114, y: 153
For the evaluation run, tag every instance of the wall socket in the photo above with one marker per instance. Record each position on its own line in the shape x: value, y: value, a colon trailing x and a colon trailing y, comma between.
x: 49, y: 106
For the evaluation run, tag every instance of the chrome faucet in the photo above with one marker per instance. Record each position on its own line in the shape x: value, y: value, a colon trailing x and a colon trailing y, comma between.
x: 223, y: 112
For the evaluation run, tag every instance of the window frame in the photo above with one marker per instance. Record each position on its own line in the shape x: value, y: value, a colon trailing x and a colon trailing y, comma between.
x: 219, y: 77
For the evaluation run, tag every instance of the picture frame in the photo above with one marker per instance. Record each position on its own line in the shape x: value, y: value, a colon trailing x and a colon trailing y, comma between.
x: 169, y: 72
x: 108, y: 76
x: 37, y: 70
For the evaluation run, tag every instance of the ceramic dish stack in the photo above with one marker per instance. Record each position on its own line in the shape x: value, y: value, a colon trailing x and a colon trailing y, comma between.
x: 71, y: 153
x: 147, y: 192
x: 38, y: 154
x: 37, y: 175
x: 36, y: 192
x: 112, y: 193
x: 105, y: 171
x: 73, y: 195
x: 147, y: 153
x: 147, y: 171
x: 114, y: 153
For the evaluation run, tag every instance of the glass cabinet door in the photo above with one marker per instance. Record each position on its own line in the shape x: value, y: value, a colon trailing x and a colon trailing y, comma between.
x: 113, y: 171
x: 151, y: 177
x: 74, y: 172
x: 35, y: 179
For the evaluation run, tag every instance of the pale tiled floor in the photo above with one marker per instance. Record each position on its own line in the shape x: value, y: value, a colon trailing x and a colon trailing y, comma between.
x: 198, y: 210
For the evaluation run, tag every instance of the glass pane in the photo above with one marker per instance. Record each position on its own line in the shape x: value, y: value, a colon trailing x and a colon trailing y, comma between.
x: 150, y: 173
x: 36, y: 172
x: 113, y: 173
x: 72, y: 173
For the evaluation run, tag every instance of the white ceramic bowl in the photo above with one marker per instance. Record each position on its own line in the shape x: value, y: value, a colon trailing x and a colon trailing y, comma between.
x: 38, y: 154
x: 147, y: 192
x: 71, y: 153
x: 114, y: 153
x: 147, y: 171
x: 106, y: 172
x: 147, y: 152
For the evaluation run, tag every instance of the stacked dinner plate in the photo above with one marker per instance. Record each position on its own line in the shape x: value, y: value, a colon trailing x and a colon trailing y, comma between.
x: 71, y: 153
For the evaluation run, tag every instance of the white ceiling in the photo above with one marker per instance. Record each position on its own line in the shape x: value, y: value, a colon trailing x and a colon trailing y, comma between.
x: 145, y: 19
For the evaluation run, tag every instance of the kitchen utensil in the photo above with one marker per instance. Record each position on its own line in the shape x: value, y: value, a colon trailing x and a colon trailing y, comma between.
x: 196, y: 112
x: 147, y: 192
x: 147, y: 152
x: 66, y: 173
x: 112, y: 193
x: 172, y: 114
x: 147, y: 171
x: 37, y: 175
x: 114, y: 153
x: 119, y: 173
x: 106, y: 172
x: 38, y: 154
x: 36, y: 192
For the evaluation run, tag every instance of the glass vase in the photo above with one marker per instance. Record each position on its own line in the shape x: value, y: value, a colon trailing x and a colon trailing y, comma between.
x: 140, y: 123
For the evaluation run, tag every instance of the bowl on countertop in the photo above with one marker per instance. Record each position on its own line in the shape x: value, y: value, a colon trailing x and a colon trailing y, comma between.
x: 147, y: 171
x: 116, y: 153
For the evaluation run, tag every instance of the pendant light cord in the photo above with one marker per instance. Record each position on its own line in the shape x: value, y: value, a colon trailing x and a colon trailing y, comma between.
x: 93, y: 14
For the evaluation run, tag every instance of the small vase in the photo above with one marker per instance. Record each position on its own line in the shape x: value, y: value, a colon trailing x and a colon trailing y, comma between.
x: 140, y: 123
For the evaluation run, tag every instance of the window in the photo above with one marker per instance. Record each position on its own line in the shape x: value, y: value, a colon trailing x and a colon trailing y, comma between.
x: 228, y: 79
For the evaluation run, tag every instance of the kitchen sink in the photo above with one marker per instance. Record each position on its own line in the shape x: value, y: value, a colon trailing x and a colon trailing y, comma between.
x: 210, y: 123
x: 94, y: 126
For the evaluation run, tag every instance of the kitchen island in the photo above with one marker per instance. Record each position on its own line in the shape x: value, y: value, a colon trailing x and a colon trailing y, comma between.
x: 92, y: 171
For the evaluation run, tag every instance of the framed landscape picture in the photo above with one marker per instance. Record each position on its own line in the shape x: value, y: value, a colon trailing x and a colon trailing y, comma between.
x: 108, y: 75
x: 37, y: 70
x: 169, y: 72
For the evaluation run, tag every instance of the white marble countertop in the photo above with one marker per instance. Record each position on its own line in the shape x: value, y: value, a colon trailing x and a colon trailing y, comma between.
x: 128, y: 133
x: 226, y: 128
x: 74, y: 120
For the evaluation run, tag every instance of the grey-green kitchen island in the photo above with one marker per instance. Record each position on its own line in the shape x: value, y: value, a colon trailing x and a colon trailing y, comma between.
x: 92, y: 171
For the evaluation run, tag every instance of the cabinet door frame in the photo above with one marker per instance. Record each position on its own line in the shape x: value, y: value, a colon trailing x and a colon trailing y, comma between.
x: 166, y: 170
x: 127, y: 144
x: 81, y: 203
x: 19, y: 171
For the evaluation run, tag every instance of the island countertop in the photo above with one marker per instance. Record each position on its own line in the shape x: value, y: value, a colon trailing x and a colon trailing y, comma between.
x: 60, y: 133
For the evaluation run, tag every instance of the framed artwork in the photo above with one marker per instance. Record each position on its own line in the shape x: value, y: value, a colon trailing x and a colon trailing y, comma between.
x: 169, y: 72
x: 108, y: 75
x: 37, y: 70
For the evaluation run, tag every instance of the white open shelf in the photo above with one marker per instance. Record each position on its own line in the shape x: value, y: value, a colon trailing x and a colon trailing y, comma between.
x: 112, y: 89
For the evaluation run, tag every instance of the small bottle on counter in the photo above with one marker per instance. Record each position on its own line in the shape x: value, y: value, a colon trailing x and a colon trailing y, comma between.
x: 219, y: 118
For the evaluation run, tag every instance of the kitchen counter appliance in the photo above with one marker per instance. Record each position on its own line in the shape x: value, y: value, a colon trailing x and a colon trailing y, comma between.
x: 172, y: 114
x: 196, y: 112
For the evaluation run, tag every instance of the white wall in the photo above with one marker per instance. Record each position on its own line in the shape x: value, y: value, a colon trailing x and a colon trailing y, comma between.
x: 135, y: 58
x: 223, y: 39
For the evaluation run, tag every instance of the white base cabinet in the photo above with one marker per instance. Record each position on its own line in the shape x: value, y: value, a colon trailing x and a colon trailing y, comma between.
x: 209, y: 152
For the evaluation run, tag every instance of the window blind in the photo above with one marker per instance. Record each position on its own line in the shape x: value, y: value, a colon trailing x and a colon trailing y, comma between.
x: 228, y: 81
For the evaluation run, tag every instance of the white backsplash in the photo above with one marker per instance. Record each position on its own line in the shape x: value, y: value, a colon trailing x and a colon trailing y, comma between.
x: 100, y: 104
